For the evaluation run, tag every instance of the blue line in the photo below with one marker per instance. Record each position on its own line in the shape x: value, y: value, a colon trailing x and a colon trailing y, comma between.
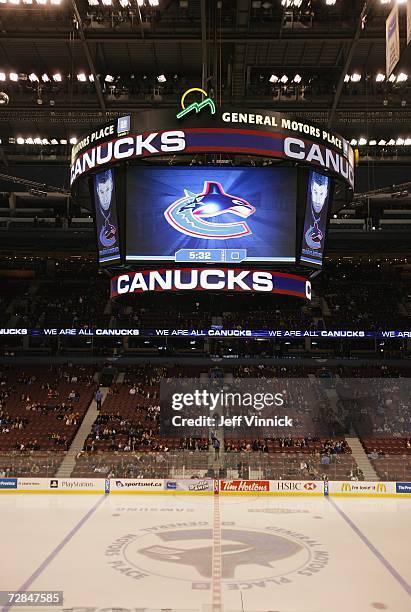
x: 56, y: 551
x: 402, y: 581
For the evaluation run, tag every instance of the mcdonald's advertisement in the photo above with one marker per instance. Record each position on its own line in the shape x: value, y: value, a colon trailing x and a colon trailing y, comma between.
x: 363, y: 488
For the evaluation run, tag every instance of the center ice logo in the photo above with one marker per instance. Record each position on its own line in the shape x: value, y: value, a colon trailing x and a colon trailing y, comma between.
x: 258, y: 557
x: 196, y: 214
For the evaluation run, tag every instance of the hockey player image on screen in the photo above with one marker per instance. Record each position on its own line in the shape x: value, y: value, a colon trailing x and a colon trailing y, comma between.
x: 315, y: 217
x: 106, y: 214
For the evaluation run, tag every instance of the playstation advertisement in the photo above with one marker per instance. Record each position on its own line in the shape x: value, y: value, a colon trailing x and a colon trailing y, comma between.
x: 106, y: 217
x: 316, y: 216
x: 211, y: 215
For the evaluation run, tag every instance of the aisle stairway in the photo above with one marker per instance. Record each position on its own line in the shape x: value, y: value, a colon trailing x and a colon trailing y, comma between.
x: 361, y: 459
x: 67, y: 466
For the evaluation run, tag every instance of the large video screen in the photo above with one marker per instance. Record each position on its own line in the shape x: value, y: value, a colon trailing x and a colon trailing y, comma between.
x: 316, y: 215
x: 106, y: 217
x: 209, y: 214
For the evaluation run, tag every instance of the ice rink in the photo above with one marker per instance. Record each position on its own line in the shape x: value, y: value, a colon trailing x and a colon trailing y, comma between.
x: 209, y: 553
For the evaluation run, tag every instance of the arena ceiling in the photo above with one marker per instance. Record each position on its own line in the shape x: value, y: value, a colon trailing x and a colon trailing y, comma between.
x: 68, y: 65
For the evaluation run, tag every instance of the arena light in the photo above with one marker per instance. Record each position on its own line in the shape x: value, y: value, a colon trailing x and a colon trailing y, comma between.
x: 392, y: 78
x: 154, y: 3
x: 107, y: 2
x: 91, y: 78
x: 380, y: 77
x: 353, y: 142
x: 362, y: 141
x: 81, y: 77
x: 73, y: 140
x: 161, y: 78
x: 382, y: 142
x: 140, y: 2
x: 37, y: 141
x: 400, y: 141
x: 109, y: 78
x: 20, y: 140
x: 55, y: 2
x: 124, y: 3
x: 41, y: 2
x: 402, y: 77
x: 29, y: 140
x: 54, y: 141
x: 355, y: 77
x: 372, y: 143
x: 273, y: 78
x: 297, y: 78
x: 284, y: 79
x: 45, y: 141
x: 407, y: 142
x: 15, y: 2
x: 330, y: 2
x: 93, y: 2
x: 57, y: 77
x: 347, y: 78
x: 63, y: 141
x: 27, y: 1
x: 2, y: 76
x: 33, y: 78
x: 391, y: 142
x: 45, y: 78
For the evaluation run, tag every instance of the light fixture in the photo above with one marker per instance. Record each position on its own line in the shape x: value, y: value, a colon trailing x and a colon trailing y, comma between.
x: 109, y: 78
x: 93, y: 2
x: 63, y: 141
x: 4, y: 98
x: 273, y: 78
x: 382, y: 142
x: 54, y: 141
x: 380, y: 77
x: 391, y: 142
x: 57, y: 77
x: 399, y: 141
x: 124, y: 3
x: 372, y: 143
x: 284, y: 79
x: 392, y: 78
x: 402, y: 77
x: 73, y: 140
x: 353, y: 142
x: 161, y: 78
x: 355, y: 77
x: 297, y: 78
x: 407, y: 142
x: 81, y: 77
x: 153, y: 3
x: 20, y: 140
x: 107, y: 2
x: 362, y: 141
x: 45, y: 78
x: 33, y: 77
x: 91, y: 78
x: 2, y: 76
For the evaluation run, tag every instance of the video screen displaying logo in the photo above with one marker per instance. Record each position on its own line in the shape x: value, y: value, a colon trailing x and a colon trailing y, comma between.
x: 214, y: 214
x: 316, y: 214
x: 106, y: 217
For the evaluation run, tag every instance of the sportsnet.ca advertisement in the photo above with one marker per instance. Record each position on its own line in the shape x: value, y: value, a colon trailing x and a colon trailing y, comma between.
x: 136, y: 485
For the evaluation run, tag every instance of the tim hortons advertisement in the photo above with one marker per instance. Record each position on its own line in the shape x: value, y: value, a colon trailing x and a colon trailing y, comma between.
x: 244, y: 486
x: 362, y: 488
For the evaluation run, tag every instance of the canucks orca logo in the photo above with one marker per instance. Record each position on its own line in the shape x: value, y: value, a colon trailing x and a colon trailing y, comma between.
x: 204, y: 215
x: 239, y: 547
x: 314, y: 236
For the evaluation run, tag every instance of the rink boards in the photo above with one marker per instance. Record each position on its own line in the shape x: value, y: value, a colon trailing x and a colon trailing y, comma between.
x: 205, y: 486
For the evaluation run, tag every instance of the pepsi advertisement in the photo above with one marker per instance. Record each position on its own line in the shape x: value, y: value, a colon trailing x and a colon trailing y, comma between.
x: 106, y: 217
x: 211, y: 215
x: 316, y: 216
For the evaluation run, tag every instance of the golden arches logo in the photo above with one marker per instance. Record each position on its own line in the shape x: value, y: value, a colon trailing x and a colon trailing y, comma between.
x: 346, y: 486
x: 381, y: 488
x: 195, y: 106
